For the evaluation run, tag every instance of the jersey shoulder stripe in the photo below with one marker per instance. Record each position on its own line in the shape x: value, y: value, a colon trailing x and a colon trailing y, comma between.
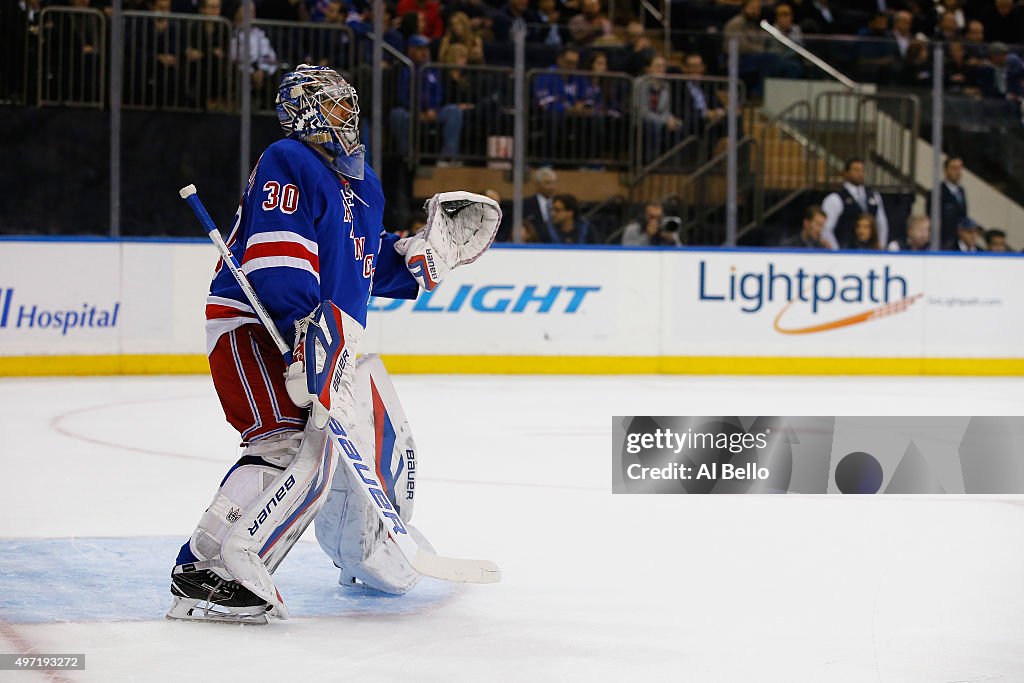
x: 282, y: 236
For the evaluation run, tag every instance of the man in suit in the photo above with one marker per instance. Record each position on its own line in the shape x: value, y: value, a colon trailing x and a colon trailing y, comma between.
x: 701, y: 107
x: 537, y: 207
x: 953, y: 203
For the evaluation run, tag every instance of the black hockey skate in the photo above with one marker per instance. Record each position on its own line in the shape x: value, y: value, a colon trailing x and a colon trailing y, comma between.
x: 201, y: 595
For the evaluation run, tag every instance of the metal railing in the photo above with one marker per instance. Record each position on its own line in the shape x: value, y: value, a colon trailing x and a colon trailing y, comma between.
x: 802, y: 52
x: 290, y: 44
x: 579, y: 117
x: 671, y: 109
x: 790, y: 162
x: 699, y: 199
x: 72, y: 53
x: 880, y: 129
x: 394, y: 89
x: 787, y: 154
x: 465, y: 113
x: 178, y: 62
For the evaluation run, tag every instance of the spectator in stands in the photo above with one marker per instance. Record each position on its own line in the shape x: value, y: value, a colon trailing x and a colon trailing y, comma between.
x: 959, y: 75
x: 810, y: 235
x: 652, y: 230
x: 432, y: 105
x: 702, y: 108
x: 262, y: 58
x: 476, y: 52
x: 1004, y: 21
x: 331, y: 48
x: 480, y: 14
x: 610, y: 96
x: 902, y: 31
x: 360, y: 20
x: 784, y: 24
x: 460, y: 32
x: 995, y: 241
x: 430, y: 10
x: 553, y: 91
x: 515, y: 11
x: 335, y: 12
x: 953, y: 9
x: 755, y: 62
x: 974, y: 36
x: 878, y: 56
x: 537, y: 207
x: 207, y: 56
x: 409, y: 25
x: 745, y: 27
x: 844, y: 206
x: 1003, y: 77
x: 787, y: 64
x: 591, y: 26
x: 947, y: 29
x: 953, y: 200
x: 555, y: 96
x: 919, y: 235
x: 967, y: 238
x: 638, y: 50
x: 550, y: 32
x: 77, y: 65
x: 662, y: 128
x: 916, y: 70
x: 461, y: 87
x: 865, y: 234
x: 599, y: 104
x: 567, y: 225
x: 316, y: 11
x: 163, y: 83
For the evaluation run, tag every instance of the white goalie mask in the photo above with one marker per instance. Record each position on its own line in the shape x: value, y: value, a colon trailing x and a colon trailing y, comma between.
x: 316, y: 104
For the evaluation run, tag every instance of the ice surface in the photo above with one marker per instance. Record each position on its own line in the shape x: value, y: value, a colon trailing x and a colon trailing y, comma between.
x: 103, y: 478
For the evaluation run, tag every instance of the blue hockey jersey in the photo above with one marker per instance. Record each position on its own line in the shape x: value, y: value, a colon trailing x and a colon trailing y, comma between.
x: 303, y: 234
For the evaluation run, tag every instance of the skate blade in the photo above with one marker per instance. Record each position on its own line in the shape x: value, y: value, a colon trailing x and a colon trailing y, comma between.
x: 191, y: 609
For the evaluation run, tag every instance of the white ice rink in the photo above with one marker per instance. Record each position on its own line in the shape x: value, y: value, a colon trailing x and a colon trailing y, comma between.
x: 104, y: 478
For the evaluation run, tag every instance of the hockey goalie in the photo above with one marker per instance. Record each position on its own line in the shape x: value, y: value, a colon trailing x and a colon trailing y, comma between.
x: 308, y: 237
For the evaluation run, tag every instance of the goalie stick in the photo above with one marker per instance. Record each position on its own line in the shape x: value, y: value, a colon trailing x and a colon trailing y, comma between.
x: 422, y: 560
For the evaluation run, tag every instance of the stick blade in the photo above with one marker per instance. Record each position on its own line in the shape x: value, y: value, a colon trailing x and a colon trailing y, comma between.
x: 456, y: 569
x: 187, y: 191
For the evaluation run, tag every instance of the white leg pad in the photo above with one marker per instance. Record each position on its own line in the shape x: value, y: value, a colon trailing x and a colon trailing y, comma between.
x: 269, y: 528
x: 348, y: 528
x: 239, y: 491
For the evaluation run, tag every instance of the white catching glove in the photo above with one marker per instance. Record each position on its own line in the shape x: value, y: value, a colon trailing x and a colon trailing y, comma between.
x: 322, y: 372
x: 460, y: 227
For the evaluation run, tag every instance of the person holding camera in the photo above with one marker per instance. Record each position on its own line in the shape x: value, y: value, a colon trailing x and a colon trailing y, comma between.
x: 652, y: 231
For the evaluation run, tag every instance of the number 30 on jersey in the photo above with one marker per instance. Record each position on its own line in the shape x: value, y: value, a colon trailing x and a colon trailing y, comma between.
x: 286, y: 198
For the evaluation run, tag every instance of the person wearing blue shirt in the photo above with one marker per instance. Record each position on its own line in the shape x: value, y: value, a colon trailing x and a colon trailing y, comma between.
x: 432, y: 105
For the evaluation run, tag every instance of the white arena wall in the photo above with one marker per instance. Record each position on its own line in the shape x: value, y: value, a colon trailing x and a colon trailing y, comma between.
x: 113, y: 307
